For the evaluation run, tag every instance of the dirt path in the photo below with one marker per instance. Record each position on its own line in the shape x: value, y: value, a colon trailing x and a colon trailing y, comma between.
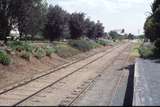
x: 55, y: 87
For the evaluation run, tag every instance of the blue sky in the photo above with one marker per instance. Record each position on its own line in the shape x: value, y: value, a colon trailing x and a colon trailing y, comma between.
x: 114, y: 14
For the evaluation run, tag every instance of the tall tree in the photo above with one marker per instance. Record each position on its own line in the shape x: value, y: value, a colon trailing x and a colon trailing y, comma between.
x: 155, y: 5
x: 90, y: 29
x: 77, y: 25
x: 21, y: 14
x: 57, y: 23
x: 99, y: 29
x: 93, y: 30
x: 31, y: 16
x: 7, y: 20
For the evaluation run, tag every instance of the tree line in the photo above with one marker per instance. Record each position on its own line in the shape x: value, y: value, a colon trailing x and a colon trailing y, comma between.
x: 35, y: 17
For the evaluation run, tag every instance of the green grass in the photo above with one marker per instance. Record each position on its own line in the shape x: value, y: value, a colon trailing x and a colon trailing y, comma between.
x: 4, y: 58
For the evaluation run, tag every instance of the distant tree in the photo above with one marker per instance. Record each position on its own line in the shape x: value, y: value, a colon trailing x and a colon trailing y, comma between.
x: 99, y: 29
x: 56, y: 25
x: 130, y: 36
x: 77, y: 25
x: 94, y: 30
x: 114, y: 34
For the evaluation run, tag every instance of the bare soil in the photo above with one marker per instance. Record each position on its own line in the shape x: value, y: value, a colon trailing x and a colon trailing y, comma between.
x: 22, y: 69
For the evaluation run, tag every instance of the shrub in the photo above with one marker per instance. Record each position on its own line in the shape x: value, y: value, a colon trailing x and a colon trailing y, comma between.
x: 82, y: 45
x: 146, y: 51
x: 94, y: 44
x: 49, y: 51
x: 103, y: 42
x: 66, y: 51
x: 26, y: 55
x: 39, y: 53
x: 4, y: 58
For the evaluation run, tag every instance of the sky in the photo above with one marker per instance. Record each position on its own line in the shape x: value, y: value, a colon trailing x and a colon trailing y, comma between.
x: 114, y: 14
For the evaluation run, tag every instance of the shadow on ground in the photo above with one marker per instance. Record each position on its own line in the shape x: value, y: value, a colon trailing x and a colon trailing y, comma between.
x: 130, y: 87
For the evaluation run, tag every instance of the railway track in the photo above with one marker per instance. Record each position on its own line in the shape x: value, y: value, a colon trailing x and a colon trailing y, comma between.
x: 69, y: 101
x: 39, y: 83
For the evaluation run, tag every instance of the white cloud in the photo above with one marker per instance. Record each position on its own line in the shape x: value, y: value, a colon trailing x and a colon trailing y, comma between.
x: 115, y: 14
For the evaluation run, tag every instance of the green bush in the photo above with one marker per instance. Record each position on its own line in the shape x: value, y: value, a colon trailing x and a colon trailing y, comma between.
x: 94, y: 44
x: 4, y: 58
x: 21, y: 46
x: 26, y: 55
x: 82, y: 45
x: 146, y: 51
x: 65, y: 51
x: 39, y: 53
x: 103, y: 42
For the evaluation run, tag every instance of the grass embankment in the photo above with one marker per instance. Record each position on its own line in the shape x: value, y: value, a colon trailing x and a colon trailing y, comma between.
x: 27, y: 50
